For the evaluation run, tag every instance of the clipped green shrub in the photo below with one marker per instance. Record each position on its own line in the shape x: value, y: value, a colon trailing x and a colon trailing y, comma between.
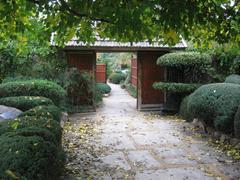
x: 132, y: 90
x: 116, y: 78
x: 183, y: 59
x: 216, y: 104
x: 19, y: 78
x: 29, y: 158
x: 176, y: 87
x: 237, y: 123
x: 43, y: 88
x: 25, y: 103
x: 234, y: 78
x: 34, y: 131
x: 45, y: 111
x: 32, y: 121
x: 184, y: 110
x: 103, y: 88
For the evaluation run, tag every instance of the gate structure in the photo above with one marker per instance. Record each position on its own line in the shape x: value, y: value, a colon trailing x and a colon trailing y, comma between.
x: 84, y: 57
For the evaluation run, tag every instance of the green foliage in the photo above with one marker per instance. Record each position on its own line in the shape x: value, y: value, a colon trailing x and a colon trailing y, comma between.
x: 103, y: 88
x: 237, y: 123
x: 216, y: 104
x: 45, y: 111
x: 28, y: 157
x: 79, y: 86
x: 116, y: 78
x: 234, y: 78
x: 19, y: 78
x: 132, y: 90
x: 181, y: 59
x: 32, y: 121
x: 184, y: 110
x: 176, y: 87
x: 25, y: 103
x: 43, y: 88
x: 131, y: 21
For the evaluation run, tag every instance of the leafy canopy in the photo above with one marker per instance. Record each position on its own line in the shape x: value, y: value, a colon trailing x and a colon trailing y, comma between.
x: 122, y: 20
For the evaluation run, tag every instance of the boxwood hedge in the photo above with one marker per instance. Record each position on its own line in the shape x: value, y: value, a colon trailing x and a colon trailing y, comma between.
x: 184, y: 111
x: 180, y: 59
x: 234, y: 78
x: 237, y: 123
x: 216, y: 104
x: 43, y: 88
x: 25, y: 103
x: 28, y: 158
x: 176, y: 87
x: 103, y: 88
x: 45, y: 111
x: 116, y: 78
x: 32, y: 121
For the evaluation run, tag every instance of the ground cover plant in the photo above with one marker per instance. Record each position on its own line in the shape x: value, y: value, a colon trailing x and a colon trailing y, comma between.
x: 103, y: 88
x: 117, y: 77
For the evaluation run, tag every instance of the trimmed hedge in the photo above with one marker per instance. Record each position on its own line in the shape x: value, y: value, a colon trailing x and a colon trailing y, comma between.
x: 29, y: 158
x: 32, y: 121
x: 103, y: 88
x: 176, y: 87
x: 45, y: 111
x: 19, y: 78
x: 234, y: 78
x: 34, y: 131
x: 116, y: 78
x: 184, y: 110
x: 183, y: 59
x: 25, y: 103
x: 216, y: 104
x: 237, y: 123
x: 43, y: 88
x: 132, y: 90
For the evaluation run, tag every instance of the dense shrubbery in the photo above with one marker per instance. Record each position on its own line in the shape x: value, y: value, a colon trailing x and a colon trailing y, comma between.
x: 237, y: 123
x: 103, y: 88
x: 132, y: 90
x: 176, y: 87
x: 46, y: 111
x: 28, y: 157
x: 25, y: 103
x: 43, y: 88
x: 32, y: 121
x: 216, y: 104
x: 116, y: 78
x: 234, y: 78
x: 181, y: 59
x: 184, y: 111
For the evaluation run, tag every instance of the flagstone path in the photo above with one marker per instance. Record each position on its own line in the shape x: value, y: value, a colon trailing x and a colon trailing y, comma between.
x: 119, y: 142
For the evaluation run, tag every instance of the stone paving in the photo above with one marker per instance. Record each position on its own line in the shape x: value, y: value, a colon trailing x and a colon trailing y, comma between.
x: 122, y: 143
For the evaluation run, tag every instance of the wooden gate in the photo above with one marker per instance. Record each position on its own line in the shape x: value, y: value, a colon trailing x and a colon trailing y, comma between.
x: 101, y: 76
x: 134, y: 72
x: 148, y: 73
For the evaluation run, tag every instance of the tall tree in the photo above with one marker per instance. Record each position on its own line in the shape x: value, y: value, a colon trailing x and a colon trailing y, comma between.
x: 122, y: 20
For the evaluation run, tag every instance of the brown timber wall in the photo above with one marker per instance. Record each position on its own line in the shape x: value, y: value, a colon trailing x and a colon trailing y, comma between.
x: 134, y: 72
x: 101, y: 76
x: 148, y: 73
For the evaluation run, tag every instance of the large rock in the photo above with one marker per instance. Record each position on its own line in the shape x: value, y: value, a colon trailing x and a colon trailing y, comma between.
x: 8, y: 112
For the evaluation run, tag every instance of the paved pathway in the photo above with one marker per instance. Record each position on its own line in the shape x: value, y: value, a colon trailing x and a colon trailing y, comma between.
x: 118, y: 142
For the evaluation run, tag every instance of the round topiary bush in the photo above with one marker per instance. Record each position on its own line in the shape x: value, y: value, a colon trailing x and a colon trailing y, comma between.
x: 33, y: 121
x: 184, y: 110
x: 28, y: 158
x: 25, y: 103
x: 116, y: 78
x: 216, y: 104
x: 43, y: 88
x: 45, y: 111
x: 237, y: 123
x: 103, y: 88
x: 234, y: 78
